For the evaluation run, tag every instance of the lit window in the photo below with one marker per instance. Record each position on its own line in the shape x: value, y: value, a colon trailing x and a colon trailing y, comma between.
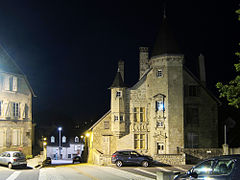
x: 139, y: 141
x: 159, y: 73
x: 160, y: 106
x: 115, y: 118
x: 15, y: 109
x: 118, y: 94
x: 139, y: 114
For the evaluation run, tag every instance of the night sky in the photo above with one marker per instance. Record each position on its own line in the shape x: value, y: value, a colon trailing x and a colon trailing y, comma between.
x: 69, y: 49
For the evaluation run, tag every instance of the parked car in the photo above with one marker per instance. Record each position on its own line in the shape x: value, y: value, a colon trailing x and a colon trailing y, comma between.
x: 218, y: 168
x: 126, y: 157
x: 12, y: 159
x: 77, y: 159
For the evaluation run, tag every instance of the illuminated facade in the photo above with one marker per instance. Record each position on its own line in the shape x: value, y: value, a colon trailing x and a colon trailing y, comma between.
x: 15, y: 107
x: 168, y: 109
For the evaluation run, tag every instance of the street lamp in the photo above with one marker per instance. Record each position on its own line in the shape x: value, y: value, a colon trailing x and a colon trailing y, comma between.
x: 59, y: 130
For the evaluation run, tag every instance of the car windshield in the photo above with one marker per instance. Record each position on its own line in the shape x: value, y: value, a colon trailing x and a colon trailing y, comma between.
x: 204, y: 168
x: 18, y: 154
x: 223, y: 167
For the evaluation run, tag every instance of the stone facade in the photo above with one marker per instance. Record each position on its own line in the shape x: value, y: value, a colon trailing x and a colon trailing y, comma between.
x: 168, y: 109
x: 16, y: 131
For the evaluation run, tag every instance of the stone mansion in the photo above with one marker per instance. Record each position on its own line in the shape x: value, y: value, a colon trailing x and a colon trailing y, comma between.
x: 16, y: 132
x: 167, y: 110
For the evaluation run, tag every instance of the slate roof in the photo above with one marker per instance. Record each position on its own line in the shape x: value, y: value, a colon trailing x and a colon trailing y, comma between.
x: 165, y: 42
x: 7, y: 64
x: 118, y: 81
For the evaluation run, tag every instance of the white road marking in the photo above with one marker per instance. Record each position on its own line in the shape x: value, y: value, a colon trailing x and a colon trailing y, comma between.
x: 163, y: 169
x: 14, y: 175
x: 146, y: 171
x: 126, y: 174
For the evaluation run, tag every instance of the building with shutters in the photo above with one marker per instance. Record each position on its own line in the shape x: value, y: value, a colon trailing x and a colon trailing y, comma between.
x: 167, y: 110
x: 16, y: 132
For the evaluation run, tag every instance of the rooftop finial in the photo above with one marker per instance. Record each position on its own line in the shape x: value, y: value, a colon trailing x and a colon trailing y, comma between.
x: 164, y: 11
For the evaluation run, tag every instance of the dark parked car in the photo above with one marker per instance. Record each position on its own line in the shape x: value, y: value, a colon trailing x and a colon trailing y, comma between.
x: 77, y: 159
x: 47, y: 161
x: 218, y: 168
x: 125, y: 157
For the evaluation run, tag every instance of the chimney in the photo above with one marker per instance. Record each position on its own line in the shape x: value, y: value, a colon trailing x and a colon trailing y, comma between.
x: 143, y: 60
x: 202, y: 71
x: 121, y: 68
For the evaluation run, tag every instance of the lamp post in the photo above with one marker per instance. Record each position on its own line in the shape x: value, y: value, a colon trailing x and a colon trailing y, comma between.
x: 59, y: 130
x: 44, y: 148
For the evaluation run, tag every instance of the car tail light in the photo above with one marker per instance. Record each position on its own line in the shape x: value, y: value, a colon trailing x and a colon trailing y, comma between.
x: 114, y: 155
x: 14, y: 159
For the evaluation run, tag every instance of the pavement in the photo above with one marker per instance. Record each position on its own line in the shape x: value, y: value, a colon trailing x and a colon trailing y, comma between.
x: 36, y: 163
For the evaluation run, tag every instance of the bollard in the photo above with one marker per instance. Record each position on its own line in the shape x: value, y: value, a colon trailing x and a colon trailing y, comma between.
x: 165, y: 175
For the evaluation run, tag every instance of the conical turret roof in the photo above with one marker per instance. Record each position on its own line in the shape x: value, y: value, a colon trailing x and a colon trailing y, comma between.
x: 165, y: 42
x: 118, y: 81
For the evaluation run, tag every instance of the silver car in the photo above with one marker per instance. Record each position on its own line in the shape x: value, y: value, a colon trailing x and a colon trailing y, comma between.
x: 12, y: 159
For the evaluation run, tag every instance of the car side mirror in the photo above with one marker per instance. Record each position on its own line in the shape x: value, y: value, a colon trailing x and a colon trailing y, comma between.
x: 193, y: 174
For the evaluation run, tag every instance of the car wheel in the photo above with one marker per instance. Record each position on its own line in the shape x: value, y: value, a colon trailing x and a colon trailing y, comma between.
x: 119, y: 163
x: 145, y: 164
x: 10, y: 165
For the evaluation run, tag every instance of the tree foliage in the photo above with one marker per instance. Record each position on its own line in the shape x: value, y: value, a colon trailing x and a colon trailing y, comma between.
x: 231, y: 91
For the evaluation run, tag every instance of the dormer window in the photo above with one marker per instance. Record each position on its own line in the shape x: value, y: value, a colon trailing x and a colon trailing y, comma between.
x: 64, y: 139
x: 159, y: 73
x: 118, y: 94
x: 52, y: 139
x: 76, y: 139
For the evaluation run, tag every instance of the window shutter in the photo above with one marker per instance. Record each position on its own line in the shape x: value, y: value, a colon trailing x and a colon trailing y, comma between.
x: 6, y: 83
x: 7, y: 109
x: 14, y: 137
x: 15, y: 83
x: 1, y: 138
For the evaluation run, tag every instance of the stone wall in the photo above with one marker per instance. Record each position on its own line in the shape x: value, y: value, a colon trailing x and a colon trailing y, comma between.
x: 171, y: 159
x: 194, y: 155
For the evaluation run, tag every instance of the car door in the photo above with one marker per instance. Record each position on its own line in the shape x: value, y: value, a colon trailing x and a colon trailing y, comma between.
x: 204, y: 169
x: 2, y: 158
x: 125, y: 157
x: 134, y: 158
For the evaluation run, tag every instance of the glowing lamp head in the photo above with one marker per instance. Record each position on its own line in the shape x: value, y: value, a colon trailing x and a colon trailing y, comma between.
x: 60, y: 128
x: 82, y: 136
x: 44, y: 143
x: 88, y: 134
